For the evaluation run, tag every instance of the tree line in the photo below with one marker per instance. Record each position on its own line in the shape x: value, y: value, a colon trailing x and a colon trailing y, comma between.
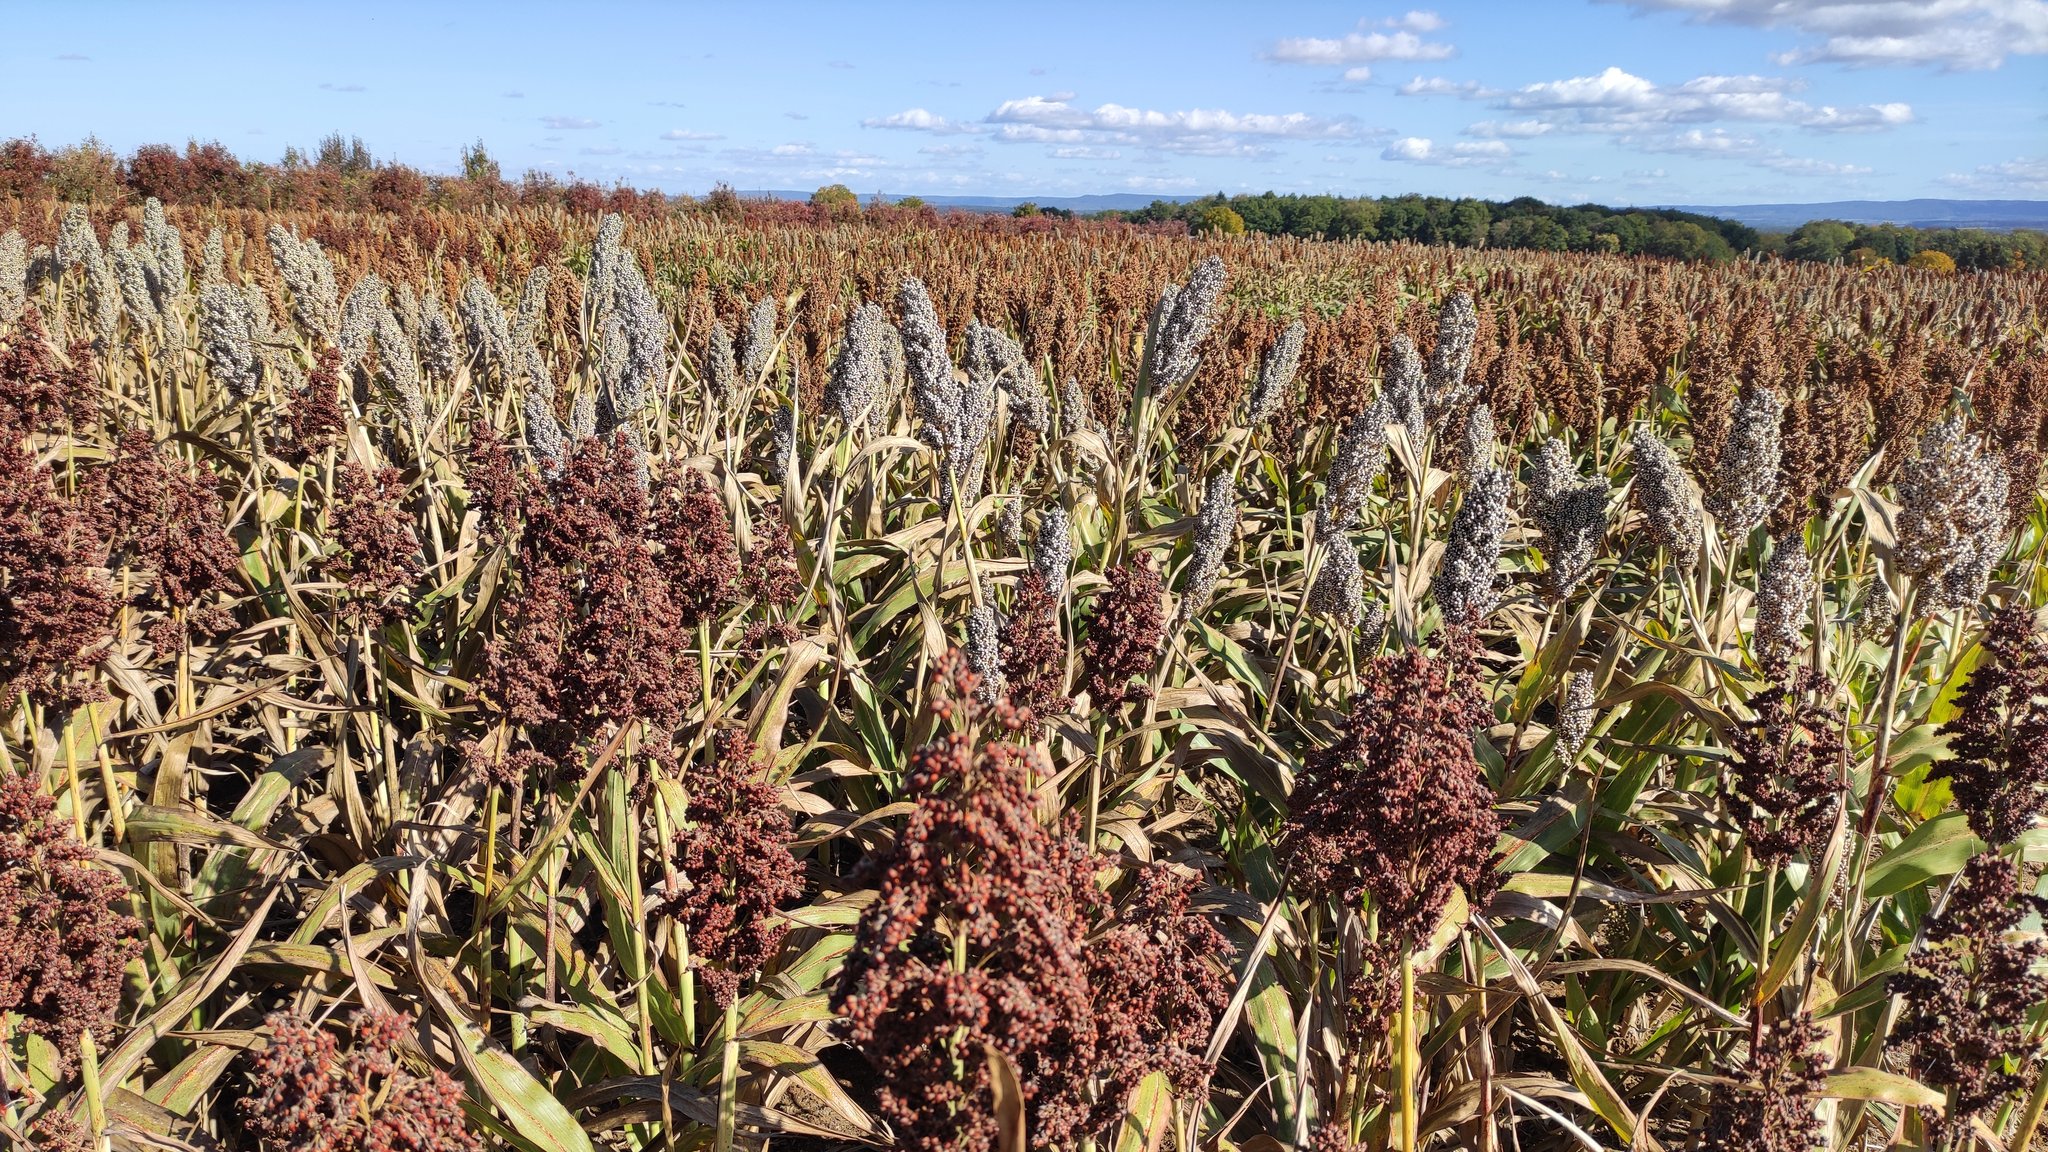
x: 340, y: 173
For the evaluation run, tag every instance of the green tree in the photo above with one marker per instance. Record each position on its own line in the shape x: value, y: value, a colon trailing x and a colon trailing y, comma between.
x: 836, y: 197
x: 478, y: 167
x: 1820, y: 240
x: 1219, y: 218
x: 1027, y: 208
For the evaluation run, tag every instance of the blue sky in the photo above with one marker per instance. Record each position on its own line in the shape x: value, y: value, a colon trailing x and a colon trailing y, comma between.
x: 1621, y: 101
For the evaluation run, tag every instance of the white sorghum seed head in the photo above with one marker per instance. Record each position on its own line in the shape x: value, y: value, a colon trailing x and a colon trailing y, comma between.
x: 213, y: 257
x: 1465, y: 585
x: 13, y: 277
x: 359, y: 314
x: 1402, y: 388
x: 1076, y: 414
x: 1475, y: 449
x: 1215, y: 527
x: 1746, y: 475
x: 309, y: 276
x: 1665, y: 496
x: 854, y: 390
x: 1571, y: 510
x: 1360, y: 458
x: 984, y: 647
x: 398, y: 370
x: 439, y: 352
x: 760, y: 342
x: 227, y: 338
x: 1784, y: 597
x: 1951, y: 520
x: 544, y: 434
x: 1456, y: 327
x: 1276, y: 372
x: 484, y: 326
x: 1052, y: 552
x: 1338, y: 594
x: 1185, y: 316
x: 1575, y: 713
x: 721, y: 369
x: 1010, y: 523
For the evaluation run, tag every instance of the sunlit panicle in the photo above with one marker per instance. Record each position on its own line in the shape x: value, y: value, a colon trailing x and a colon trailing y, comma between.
x: 1215, y: 528
x: 1465, y: 585
x: 721, y: 369
x: 760, y: 342
x: 1665, y: 496
x: 544, y: 434
x: 1571, y: 510
x: 854, y: 390
x: 309, y: 276
x: 227, y: 338
x: 398, y: 370
x: 1746, y: 475
x: 213, y: 258
x: 13, y: 277
x: 1402, y: 389
x: 1276, y: 373
x: 1184, y: 319
x: 1575, y: 714
x: 1076, y: 413
x: 1338, y: 595
x: 1476, y: 446
x: 1360, y: 458
x: 1952, y: 515
x: 360, y: 311
x: 1052, y: 552
x: 984, y: 647
x: 440, y: 354
x: 1784, y: 603
x: 484, y: 326
x: 1457, y: 325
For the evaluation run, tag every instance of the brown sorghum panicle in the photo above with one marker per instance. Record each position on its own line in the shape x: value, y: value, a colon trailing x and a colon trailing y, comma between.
x: 1785, y: 789
x: 1968, y: 992
x: 1998, y: 736
x: 1399, y: 808
x: 63, y: 945
x: 737, y: 871
x: 1125, y: 631
x: 306, y: 1093
x: 1777, y: 1106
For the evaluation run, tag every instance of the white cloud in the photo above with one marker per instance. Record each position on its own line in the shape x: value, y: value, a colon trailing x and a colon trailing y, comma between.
x: 1617, y: 100
x: 1358, y: 75
x: 1439, y: 86
x: 799, y: 149
x: 1363, y: 46
x: 1951, y: 34
x: 562, y: 123
x: 2024, y: 177
x: 1509, y: 129
x: 1422, y: 150
x: 1720, y: 143
x: 1199, y: 131
x: 919, y: 120
x: 686, y: 134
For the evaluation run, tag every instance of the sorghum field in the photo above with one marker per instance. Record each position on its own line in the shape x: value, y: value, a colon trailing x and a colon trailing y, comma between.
x: 512, y: 679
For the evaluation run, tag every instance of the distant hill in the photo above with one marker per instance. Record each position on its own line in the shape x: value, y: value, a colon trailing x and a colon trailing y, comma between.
x: 1997, y: 215
x: 1121, y: 201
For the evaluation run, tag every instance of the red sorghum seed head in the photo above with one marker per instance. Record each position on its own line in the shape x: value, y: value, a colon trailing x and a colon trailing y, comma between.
x: 305, y: 1092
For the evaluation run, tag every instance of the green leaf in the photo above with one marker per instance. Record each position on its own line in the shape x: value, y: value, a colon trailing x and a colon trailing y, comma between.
x: 511, y: 1089
x: 1936, y: 849
x: 1877, y: 1084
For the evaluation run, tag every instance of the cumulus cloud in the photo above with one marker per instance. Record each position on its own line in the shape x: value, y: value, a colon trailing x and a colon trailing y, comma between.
x: 1422, y: 150
x: 1616, y: 100
x: 687, y: 134
x: 1953, y: 35
x: 1439, y: 86
x: 333, y: 87
x: 1203, y: 132
x: 1400, y: 38
x: 1509, y: 129
x: 1718, y: 142
x: 2025, y: 176
x: 919, y: 120
x: 569, y: 123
